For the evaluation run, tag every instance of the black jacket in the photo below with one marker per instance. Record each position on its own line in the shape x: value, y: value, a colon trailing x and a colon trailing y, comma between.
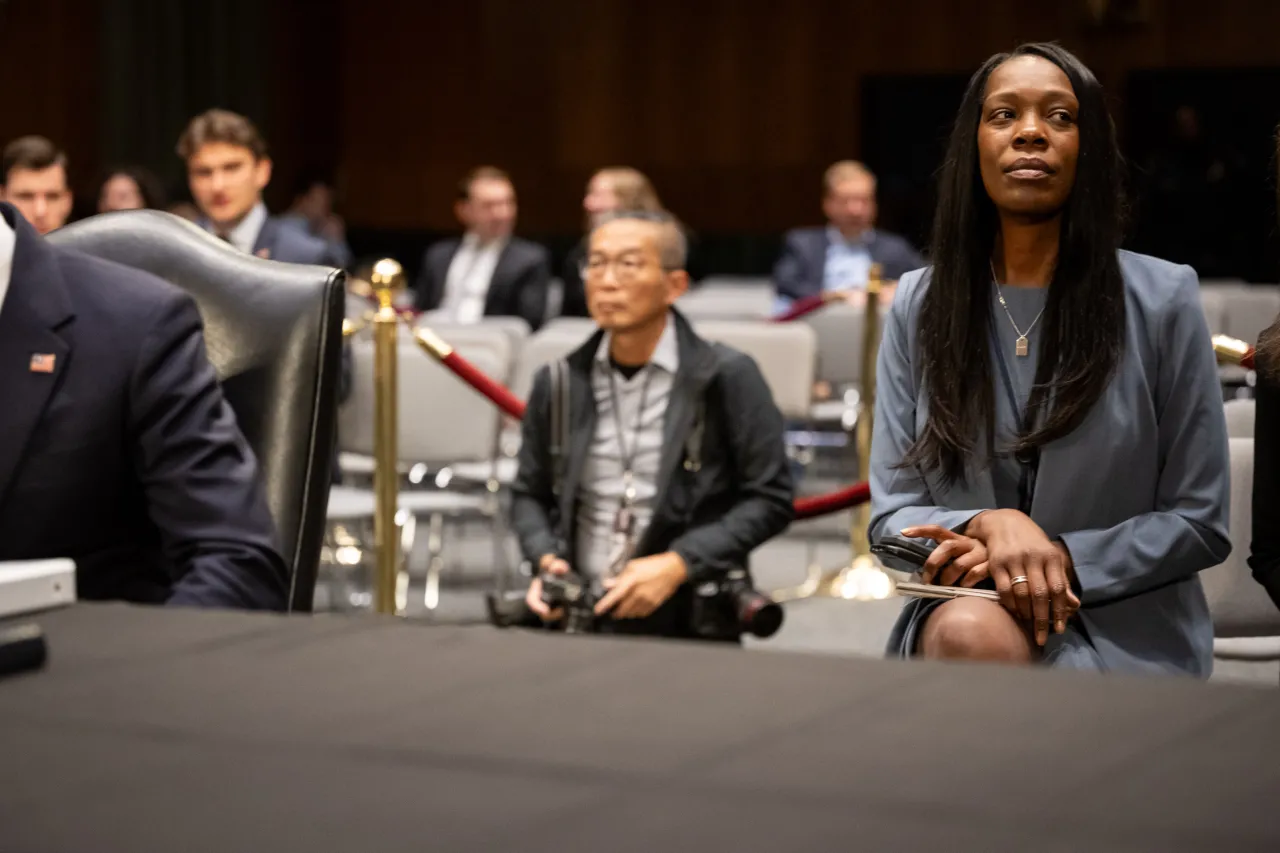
x: 1264, y: 558
x: 713, y: 518
x: 518, y: 287
x: 117, y: 448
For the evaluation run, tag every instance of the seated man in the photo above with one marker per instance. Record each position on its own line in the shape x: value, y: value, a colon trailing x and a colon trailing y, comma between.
x: 488, y: 272
x: 117, y: 449
x: 839, y: 256
x: 227, y: 170
x: 675, y: 467
x: 33, y: 178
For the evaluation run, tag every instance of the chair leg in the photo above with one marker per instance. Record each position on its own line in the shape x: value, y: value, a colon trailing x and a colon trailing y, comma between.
x: 435, y: 561
x: 407, y: 524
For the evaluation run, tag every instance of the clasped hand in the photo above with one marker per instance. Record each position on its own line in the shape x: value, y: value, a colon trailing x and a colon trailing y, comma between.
x: 1006, y: 545
x: 638, y: 590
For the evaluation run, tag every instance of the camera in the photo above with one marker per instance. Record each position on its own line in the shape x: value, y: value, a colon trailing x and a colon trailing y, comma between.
x: 733, y: 607
x: 576, y: 598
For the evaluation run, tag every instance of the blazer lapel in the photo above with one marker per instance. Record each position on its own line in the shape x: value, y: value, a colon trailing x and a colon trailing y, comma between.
x: 265, y: 245
x: 33, y: 355
x: 503, y: 276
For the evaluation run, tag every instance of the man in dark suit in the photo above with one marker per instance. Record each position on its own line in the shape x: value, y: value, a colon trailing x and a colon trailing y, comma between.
x: 227, y: 170
x: 117, y: 449
x: 839, y: 256
x: 487, y: 272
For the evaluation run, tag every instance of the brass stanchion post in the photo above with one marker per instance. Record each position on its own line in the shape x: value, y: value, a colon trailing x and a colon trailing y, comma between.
x: 862, y: 577
x: 387, y: 279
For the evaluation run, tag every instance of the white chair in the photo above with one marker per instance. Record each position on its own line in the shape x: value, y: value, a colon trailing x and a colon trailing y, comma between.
x: 1213, y: 303
x: 500, y: 338
x: 729, y: 299
x: 786, y: 354
x: 555, y: 340
x: 1240, y: 418
x: 1246, y: 624
x: 1248, y: 309
x: 443, y: 422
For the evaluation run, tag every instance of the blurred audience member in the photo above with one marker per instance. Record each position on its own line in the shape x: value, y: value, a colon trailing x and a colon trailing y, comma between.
x: 488, y: 272
x: 186, y: 210
x: 312, y: 213
x: 33, y: 178
x: 228, y: 168
x: 839, y: 256
x: 609, y: 190
x: 130, y: 188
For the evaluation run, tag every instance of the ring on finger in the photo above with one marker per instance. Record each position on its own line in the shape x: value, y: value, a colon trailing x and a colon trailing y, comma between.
x: 1019, y: 579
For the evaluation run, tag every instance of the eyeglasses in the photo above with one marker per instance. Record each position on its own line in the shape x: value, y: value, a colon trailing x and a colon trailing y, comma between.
x: 625, y: 269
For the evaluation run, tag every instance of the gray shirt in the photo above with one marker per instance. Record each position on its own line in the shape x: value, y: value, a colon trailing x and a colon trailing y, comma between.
x: 1024, y: 304
x: 601, y: 492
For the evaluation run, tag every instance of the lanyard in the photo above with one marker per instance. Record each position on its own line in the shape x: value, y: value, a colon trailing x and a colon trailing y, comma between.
x: 1029, y: 463
x: 624, y: 522
x: 628, y: 456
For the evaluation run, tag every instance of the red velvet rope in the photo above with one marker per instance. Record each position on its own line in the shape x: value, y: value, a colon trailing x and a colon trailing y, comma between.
x: 858, y: 493
x: 800, y: 308
x: 511, y: 405
x: 501, y: 397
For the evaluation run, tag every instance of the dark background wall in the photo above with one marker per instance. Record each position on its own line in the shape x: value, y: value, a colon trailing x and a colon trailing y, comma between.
x: 734, y: 107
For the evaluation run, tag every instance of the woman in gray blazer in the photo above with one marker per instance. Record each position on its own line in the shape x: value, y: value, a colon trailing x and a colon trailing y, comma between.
x: 1049, y: 410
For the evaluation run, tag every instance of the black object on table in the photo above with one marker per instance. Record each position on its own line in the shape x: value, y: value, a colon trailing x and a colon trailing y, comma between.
x: 155, y: 729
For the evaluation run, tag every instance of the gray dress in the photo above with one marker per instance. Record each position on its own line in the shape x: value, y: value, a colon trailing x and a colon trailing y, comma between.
x: 1138, y: 492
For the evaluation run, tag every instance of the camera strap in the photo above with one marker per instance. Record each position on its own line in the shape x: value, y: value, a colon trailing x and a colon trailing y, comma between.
x: 559, y: 445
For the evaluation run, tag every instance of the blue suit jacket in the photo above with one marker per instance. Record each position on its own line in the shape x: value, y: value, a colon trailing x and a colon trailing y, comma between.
x: 124, y: 456
x: 1138, y: 492
x: 799, y: 270
x: 293, y: 246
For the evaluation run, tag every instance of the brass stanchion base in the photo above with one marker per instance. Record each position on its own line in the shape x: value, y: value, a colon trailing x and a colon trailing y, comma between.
x: 861, y: 580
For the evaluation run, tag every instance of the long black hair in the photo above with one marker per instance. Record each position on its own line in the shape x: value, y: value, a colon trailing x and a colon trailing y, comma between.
x: 1082, y: 333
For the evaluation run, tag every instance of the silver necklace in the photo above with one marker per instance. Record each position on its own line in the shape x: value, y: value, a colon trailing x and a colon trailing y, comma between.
x: 1021, y: 347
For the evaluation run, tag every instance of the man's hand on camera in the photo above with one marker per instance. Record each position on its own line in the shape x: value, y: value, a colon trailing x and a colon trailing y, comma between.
x: 643, y: 586
x: 533, y: 598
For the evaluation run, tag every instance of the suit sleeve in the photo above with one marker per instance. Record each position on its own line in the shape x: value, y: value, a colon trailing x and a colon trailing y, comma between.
x: 792, y: 279
x: 763, y: 474
x: 1264, y: 556
x: 200, y: 478
x: 424, y: 286
x: 533, y: 500
x: 1187, y: 530
x: 900, y: 497
x: 530, y: 292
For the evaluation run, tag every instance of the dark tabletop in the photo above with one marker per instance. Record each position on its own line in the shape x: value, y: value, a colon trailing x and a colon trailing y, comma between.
x: 185, y: 731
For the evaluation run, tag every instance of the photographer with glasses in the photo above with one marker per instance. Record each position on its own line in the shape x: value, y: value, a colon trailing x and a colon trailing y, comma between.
x: 652, y: 461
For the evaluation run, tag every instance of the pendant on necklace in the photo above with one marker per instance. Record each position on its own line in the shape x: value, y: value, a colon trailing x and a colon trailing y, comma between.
x: 1021, y: 347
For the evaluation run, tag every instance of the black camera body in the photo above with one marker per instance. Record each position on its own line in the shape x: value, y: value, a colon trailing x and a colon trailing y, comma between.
x: 732, y: 607
x: 576, y: 598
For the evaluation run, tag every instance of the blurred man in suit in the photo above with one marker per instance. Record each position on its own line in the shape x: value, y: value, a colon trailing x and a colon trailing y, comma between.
x: 839, y: 256
x: 488, y: 272
x: 33, y: 178
x: 117, y: 448
x: 227, y: 170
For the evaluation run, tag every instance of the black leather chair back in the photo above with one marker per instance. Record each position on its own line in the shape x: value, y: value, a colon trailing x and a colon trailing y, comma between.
x: 274, y: 336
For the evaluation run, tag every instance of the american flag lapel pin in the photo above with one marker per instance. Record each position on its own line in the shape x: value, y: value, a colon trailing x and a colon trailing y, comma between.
x: 43, y: 362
